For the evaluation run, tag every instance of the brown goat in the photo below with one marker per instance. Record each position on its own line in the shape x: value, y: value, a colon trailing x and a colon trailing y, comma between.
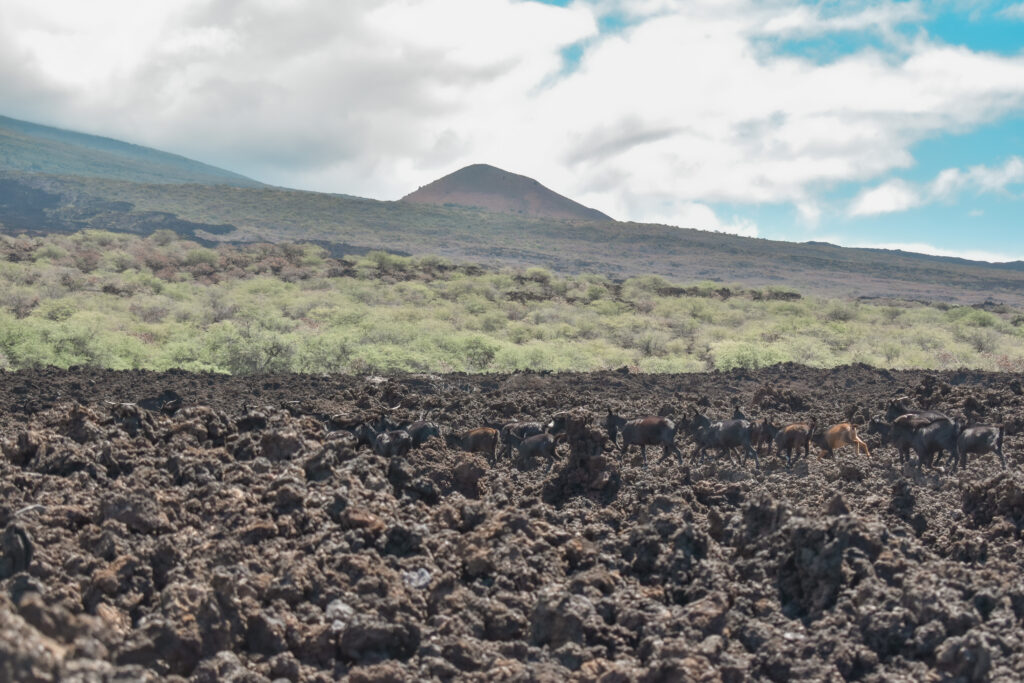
x: 643, y: 432
x: 837, y: 436
x: 481, y: 440
x: 795, y: 436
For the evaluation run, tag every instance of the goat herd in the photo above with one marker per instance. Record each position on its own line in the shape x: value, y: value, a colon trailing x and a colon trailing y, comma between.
x: 927, y: 432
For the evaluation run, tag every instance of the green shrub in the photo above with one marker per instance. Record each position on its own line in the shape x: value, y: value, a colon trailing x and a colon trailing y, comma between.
x: 729, y: 355
x: 389, y: 263
x: 249, y: 351
x: 201, y: 256
x: 493, y: 322
x: 163, y: 237
x: 981, y: 340
x: 478, y: 352
x: 50, y: 252
x: 541, y: 276
x: 841, y: 312
x: 595, y: 292
x: 57, y: 310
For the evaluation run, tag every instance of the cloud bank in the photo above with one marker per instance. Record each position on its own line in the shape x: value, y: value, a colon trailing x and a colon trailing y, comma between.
x: 899, y: 195
x: 678, y: 106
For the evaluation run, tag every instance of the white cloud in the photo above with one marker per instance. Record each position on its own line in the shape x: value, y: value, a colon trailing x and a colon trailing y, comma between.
x: 978, y: 178
x: 809, y: 212
x: 685, y: 106
x: 926, y: 248
x: 692, y: 215
x: 741, y: 226
x: 890, y: 196
x: 810, y: 20
x: 1013, y: 12
x: 899, y: 195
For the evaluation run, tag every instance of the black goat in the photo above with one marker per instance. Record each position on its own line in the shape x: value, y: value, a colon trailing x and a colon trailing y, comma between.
x: 722, y: 435
x: 392, y: 443
x: 539, y: 446
x: 513, y: 433
x: 899, y: 407
x: 981, y: 439
x: 421, y: 431
x: 926, y: 432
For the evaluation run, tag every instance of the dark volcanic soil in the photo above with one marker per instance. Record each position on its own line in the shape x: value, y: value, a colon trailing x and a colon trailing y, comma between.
x: 226, y: 543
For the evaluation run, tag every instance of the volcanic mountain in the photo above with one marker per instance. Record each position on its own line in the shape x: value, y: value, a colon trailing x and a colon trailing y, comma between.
x: 492, y: 189
x: 33, y: 148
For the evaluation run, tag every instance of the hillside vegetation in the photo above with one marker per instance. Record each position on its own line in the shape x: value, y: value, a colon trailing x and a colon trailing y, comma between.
x: 346, y: 224
x: 58, y: 181
x: 121, y: 301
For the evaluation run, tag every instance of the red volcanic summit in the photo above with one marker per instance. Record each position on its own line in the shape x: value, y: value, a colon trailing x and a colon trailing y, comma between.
x: 492, y: 189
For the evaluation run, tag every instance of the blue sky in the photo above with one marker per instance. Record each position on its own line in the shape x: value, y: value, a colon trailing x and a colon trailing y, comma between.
x: 889, y: 123
x: 977, y: 221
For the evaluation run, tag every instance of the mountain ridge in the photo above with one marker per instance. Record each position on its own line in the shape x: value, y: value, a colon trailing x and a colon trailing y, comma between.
x: 35, y: 148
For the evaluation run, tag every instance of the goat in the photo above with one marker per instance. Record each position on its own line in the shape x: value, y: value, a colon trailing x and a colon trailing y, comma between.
x: 926, y: 434
x: 396, y: 442
x: 643, y: 432
x: 795, y: 436
x: 761, y: 433
x: 560, y: 421
x: 539, y: 446
x: 722, y: 435
x: 480, y: 440
x: 899, y: 407
x: 981, y: 439
x: 513, y: 433
x: 360, y: 429
x: 837, y: 436
x: 900, y: 441
x: 421, y: 431
x: 364, y: 433
x: 926, y: 431
x: 929, y: 439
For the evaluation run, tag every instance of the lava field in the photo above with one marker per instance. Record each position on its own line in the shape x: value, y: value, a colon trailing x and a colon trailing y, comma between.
x: 176, y: 526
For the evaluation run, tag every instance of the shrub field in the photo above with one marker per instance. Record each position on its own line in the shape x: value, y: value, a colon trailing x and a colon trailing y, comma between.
x: 124, y: 302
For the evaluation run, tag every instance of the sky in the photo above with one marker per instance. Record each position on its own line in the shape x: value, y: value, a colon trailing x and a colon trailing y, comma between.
x: 883, y: 124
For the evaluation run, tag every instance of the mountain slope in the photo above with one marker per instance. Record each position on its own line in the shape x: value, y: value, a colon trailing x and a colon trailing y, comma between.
x: 32, y: 148
x: 492, y: 189
x: 57, y: 181
x: 41, y: 204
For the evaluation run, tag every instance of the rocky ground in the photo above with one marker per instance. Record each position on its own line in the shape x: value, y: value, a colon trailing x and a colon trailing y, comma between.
x: 240, y: 536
